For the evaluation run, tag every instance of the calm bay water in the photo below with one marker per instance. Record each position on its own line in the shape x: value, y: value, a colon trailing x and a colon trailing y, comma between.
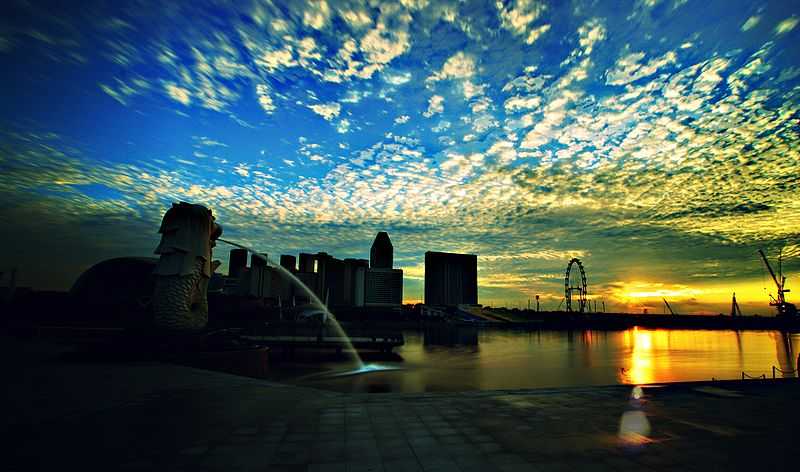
x: 513, y: 359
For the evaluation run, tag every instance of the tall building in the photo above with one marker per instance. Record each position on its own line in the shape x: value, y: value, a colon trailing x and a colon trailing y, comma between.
x: 451, y: 279
x: 383, y: 286
x: 307, y: 273
x: 289, y: 262
x: 260, y: 278
x: 353, y: 281
x: 333, y: 282
x: 237, y: 262
x: 381, y: 255
x: 307, y: 263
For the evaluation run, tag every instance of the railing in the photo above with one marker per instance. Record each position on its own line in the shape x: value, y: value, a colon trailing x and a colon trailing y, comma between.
x: 775, y: 371
x: 778, y: 369
x: 746, y: 376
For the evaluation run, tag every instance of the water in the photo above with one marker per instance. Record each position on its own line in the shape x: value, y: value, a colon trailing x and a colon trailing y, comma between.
x: 317, y: 303
x: 539, y: 359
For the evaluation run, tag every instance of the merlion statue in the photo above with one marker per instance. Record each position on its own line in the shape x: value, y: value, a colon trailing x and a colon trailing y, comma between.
x: 188, y: 232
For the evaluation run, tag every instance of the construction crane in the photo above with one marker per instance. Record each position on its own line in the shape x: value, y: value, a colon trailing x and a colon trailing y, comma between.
x: 735, y: 310
x: 784, y: 308
x: 666, y: 303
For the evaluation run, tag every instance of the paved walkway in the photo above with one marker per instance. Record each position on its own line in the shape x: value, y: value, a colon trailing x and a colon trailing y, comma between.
x: 149, y: 416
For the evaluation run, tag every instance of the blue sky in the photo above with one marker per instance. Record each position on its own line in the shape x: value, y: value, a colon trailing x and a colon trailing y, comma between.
x: 656, y: 140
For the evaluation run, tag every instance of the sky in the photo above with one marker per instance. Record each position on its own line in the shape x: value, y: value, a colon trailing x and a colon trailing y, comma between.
x: 655, y: 140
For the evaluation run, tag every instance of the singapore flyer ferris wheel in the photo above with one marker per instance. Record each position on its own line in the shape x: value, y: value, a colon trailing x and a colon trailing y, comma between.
x: 575, y: 286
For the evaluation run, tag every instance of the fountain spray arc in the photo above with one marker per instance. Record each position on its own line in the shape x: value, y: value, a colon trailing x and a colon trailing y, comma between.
x: 329, y: 318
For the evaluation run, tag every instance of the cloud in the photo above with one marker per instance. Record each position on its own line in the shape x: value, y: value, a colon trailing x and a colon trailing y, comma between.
x: 329, y: 111
x: 458, y: 66
x: 380, y: 45
x: 787, y: 25
x: 179, y: 94
x: 537, y: 33
x: 519, y: 16
x: 630, y: 69
x: 397, y: 78
x: 264, y: 98
x: 276, y: 59
x: 751, y: 23
x: 435, y: 106
x: 402, y: 119
x: 208, y: 142
x: 317, y: 14
x: 590, y: 33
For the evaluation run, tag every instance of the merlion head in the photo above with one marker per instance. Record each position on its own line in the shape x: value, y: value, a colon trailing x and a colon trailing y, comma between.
x: 188, y: 231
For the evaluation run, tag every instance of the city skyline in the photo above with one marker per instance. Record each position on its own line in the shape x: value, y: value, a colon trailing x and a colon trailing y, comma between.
x: 656, y: 141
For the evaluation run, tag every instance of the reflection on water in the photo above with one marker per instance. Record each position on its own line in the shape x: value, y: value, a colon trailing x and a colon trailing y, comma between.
x: 512, y: 359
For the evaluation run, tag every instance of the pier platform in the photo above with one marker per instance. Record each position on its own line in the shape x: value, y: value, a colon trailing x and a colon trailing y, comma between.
x: 151, y: 416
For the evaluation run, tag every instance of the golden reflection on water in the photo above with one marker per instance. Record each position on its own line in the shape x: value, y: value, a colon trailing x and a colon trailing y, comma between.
x: 660, y: 355
x: 506, y: 359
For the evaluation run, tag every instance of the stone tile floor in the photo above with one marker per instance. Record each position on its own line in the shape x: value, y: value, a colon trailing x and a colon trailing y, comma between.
x: 161, y: 417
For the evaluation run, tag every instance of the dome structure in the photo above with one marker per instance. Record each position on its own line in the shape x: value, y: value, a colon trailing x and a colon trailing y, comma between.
x: 116, y: 287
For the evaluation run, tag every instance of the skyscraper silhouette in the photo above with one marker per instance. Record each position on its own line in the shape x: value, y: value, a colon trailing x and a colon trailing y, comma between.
x: 381, y: 255
x: 451, y: 279
x: 383, y: 285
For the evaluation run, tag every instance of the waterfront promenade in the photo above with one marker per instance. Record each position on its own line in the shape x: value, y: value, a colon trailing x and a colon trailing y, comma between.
x: 152, y: 416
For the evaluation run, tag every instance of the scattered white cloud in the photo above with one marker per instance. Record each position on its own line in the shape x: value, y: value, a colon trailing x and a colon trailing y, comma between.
x: 357, y: 19
x: 179, y: 94
x: 329, y: 111
x: 435, y: 106
x: 397, y: 78
x: 317, y: 14
x: 441, y: 126
x: 458, y: 66
x: 381, y: 44
x: 787, y: 25
x: 751, y: 23
x: 519, y: 17
x: 276, y: 59
x: 629, y: 68
x: 264, y: 99
x: 590, y: 33
x: 537, y: 33
x: 402, y: 119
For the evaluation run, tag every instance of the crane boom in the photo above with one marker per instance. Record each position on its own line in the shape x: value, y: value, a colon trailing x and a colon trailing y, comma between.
x: 735, y: 310
x: 668, y: 307
x: 772, y: 274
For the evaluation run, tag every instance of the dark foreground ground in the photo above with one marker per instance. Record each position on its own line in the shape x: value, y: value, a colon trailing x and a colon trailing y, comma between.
x: 61, y: 415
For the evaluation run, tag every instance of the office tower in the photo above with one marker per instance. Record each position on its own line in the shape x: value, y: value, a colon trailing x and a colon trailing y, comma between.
x: 237, y: 262
x: 384, y: 287
x: 289, y: 262
x: 353, y: 281
x: 259, y: 276
x: 333, y: 281
x: 381, y: 255
x: 307, y: 274
x: 306, y: 263
x: 451, y: 279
